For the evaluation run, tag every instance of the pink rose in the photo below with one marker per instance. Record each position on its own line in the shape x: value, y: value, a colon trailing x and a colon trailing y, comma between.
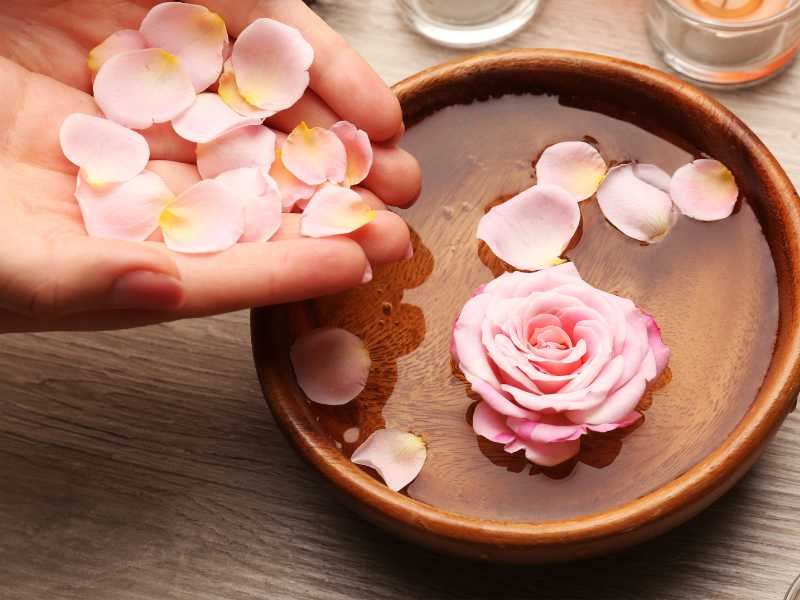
x: 553, y: 357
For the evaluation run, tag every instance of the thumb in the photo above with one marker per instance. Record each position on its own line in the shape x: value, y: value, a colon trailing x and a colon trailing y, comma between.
x: 48, y: 278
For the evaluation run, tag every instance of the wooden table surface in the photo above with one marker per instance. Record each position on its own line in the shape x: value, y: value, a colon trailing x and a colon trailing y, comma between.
x: 145, y: 465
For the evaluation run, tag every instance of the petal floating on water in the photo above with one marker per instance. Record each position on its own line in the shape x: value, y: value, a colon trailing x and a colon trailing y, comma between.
x: 331, y: 365
x: 532, y: 229
x: 705, y: 190
x: 576, y: 167
x: 637, y: 208
x: 397, y: 456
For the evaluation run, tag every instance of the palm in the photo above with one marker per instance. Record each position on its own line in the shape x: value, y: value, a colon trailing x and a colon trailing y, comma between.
x: 45, y: 44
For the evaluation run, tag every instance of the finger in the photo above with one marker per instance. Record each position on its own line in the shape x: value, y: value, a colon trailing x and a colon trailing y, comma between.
x: 246, y: 275
x: 339, y: 76
x: 383, y: 240
x: 269, y: 273
x: 395, y: 176
x: 47, y: 278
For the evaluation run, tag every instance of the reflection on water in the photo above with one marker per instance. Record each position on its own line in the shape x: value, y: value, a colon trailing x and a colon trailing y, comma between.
x: 711, y: 286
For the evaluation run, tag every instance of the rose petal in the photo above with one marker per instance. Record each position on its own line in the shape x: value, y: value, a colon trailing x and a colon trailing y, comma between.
x: 660, y: 351
x: 655, y: 176
x: 142, y: 87
x: 229, y: 92
x: 616, y: 406
x: 334, y: 210
x: 262, y: 202
x: 105, y: 151
x: 118, y: 42
x: 247, y: 181
x: 704, y: 190
x: 545, y: 455
x: 532, y: 229
x: 638, y: 209
x: 209, y: 118
x: 277, y: 83
x: 124, y: 211
x: 397, y: 456
x: 331, y: 365
x: 490, y: 424
x: 291, y: 188
x: 250, y: 146
x: 358, y: 151
x: 207, y: 217
x: 191, y: 32
x: 626, y: 421
x: 576, y: 167
x: 314, y: 155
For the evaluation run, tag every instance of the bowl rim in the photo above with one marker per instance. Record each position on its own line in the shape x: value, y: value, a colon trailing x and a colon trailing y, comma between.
x: 705, y: 480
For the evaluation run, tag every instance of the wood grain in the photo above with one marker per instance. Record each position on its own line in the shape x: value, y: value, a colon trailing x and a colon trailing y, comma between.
x: 144, y: 464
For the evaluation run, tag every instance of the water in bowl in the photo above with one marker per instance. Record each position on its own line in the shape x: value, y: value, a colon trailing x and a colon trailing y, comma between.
x: 711, y: 287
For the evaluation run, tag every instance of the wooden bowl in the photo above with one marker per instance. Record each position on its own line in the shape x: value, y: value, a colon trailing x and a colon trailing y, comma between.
x: 702, y: 432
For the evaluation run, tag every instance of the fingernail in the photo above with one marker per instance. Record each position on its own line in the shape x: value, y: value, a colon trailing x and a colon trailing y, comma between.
x: 147, y: 291
x: 367, y: 274
x: 409, y: 251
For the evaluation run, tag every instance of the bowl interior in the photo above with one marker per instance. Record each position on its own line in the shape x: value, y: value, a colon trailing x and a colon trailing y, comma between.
x: 711, y: 286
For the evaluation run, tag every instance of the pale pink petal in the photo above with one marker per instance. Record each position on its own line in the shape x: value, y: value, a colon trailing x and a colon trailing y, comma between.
x: 250, y: 146
x: 262, y: 202
x: 490, y: 424
x: 276, y: 83
x: 118, y: 42
x: 334, y: 210
x: 125, y: 211
x: 291, y: 188
x: 532, y: 229
x: 496, y: 400
x: 191, y: 32
x: 576, y: 167
x: 704, y: 190
x: 626, y: 421
x: 105, y: 151
x: 358, y: 149
x: 660, y: 351
x: 397, y: 456
x: 559, y: 429
x: 209, y: 118
x: 314, y: 155
x: 229, y: 92
x: 331, y: 365
x: 207, y: 217
x: 247, y: 181
x: 655, y: 176
x: 617, y: 405
x: 545, y: 455
x: 142, y: 87
x: 639, y: 210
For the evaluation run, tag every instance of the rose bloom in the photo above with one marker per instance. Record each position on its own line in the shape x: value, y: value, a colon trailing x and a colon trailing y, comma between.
x: 552, y: 358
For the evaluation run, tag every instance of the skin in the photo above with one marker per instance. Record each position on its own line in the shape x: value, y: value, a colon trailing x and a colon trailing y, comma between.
x: 54, y: 277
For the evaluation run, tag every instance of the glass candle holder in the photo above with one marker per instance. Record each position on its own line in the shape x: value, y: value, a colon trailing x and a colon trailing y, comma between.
x: 720, y: 52
x: 467, y: 24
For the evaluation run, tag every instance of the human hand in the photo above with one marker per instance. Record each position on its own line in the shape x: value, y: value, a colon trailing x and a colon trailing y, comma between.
x: 53, y: 276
